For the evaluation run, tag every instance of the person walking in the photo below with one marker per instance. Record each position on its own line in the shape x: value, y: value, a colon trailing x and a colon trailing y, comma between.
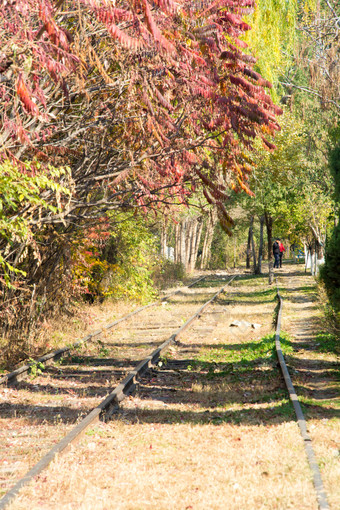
x: 276, y: 252
x: 282, y: 249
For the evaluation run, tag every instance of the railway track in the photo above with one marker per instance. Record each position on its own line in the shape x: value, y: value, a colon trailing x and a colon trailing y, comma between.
x: 87, y: 371
x: 113, y: 357
x: 21, y: 372
x: 312, y: 461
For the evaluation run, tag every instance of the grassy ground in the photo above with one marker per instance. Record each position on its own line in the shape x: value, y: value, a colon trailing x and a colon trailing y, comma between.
x: 212, y: 426
x: 315, y: 371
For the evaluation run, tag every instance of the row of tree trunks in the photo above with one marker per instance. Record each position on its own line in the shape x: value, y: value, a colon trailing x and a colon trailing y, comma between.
x: 187, y: 240
x: 314, y: 249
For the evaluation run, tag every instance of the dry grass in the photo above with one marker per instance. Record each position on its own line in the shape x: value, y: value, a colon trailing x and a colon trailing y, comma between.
x: 65, y: 330
x: 53, y: 401
x: 211, y: 427
x: 315, y: 374
x: 179, y: 467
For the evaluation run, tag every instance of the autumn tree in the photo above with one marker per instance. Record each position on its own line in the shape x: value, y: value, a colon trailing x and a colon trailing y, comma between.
x: 141, y: 102
x: 315, y: 68
x: 274, y: 181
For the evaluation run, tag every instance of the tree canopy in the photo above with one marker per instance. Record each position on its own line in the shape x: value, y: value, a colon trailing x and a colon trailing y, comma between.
x: 120, y: 106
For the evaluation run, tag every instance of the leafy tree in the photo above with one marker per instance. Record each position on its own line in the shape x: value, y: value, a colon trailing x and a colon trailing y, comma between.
x: 151, y: 98
x: 22, y: 204
x: 330, y: 272
x: 274, y: 178
x: 274, y: 37
x: 143, y: 101
x: 315, y: 70
x: 119, y: 264
x: 289, y: 192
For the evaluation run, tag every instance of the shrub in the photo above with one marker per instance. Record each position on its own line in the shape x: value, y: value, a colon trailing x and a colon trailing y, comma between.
x: 117, y: 260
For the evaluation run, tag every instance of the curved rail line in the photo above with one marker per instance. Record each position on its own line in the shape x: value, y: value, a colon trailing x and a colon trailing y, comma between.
x: 19, y: 373
x: 105, y: 409
x: 317, y: 480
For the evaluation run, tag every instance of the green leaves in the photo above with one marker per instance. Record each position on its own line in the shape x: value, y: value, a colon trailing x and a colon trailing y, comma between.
x: 24, y: 193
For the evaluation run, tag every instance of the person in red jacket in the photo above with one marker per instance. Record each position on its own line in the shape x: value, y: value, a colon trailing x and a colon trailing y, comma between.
x: 282, y: 249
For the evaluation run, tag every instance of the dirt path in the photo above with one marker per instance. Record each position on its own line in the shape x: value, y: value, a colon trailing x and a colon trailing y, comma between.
x: 315, y: 373
x: 211, y: 426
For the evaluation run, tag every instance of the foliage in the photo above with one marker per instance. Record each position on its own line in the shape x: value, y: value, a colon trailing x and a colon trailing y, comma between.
x: 315, y: 69
x: 167, y: 273
x: 122, y: 265
x: 274, y: 45
x: 227, y: 251
x: 292, y: 188
x: 218, y: 257
x: 175, y: 85
x: 327, y: 342
x: 276, y: 174
x: 330, y: 272
x: 143, y: 101
x: 25, y: 195
x: 36, y: 368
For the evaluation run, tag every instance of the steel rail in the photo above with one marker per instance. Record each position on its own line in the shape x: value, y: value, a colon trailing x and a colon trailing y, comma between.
x: 18, y: 374
x: 106, y: 408
x: 317, y: 480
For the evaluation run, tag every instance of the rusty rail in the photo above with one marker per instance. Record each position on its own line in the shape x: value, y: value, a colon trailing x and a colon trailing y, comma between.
x: 106, y: 407
x: 19, y: 374
x: 317, y: 480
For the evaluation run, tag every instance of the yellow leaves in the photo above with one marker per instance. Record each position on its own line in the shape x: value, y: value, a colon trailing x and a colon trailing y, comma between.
x: 266, y: 130
x: 94, y: 59
x: 247, y: 168
x: 223, y: 87
x: 170, y: 75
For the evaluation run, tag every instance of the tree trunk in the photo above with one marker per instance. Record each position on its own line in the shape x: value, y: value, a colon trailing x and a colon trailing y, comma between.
x: 260, y: 255
x: 177, y: 243
x: 269, y: 226
x: 253, y: 251
x: 196, y: 237
x: 209, y: 233
x: 188, y: 243
x: 307, y: 256
x: 250, y: 237
x: 312, y: 257
x: 319, y: 255
x: 164, y: 241
x: 318, y: 248
x: 204, y: 256
x: 183, y: 242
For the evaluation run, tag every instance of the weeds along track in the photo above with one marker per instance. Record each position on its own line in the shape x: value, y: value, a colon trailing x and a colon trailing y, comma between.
x: 213, y: 400
x: 23, y: 371
x: 50, y: 407
x: 312, y: 461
